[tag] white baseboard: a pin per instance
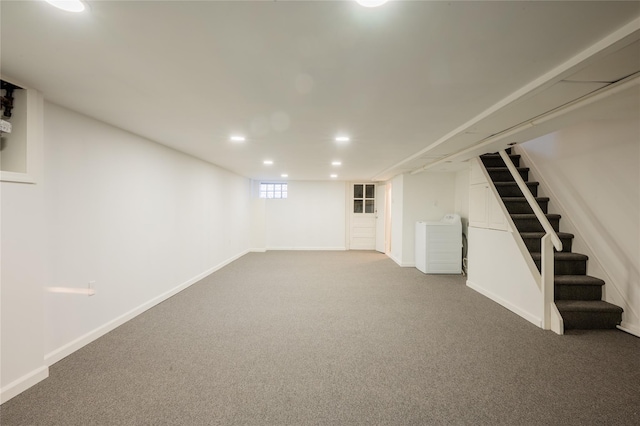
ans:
(258, 250)
(526, 315)
(66, 350)
(402, 264)
(23, 383)
(630, 328)
(307, 248)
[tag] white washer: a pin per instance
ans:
(439, 245)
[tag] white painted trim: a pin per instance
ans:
(630, 328)
(548, 190)
(16, 177)
(66, 350)
(401, 264)
(526, 315)
(557, 323)
(258, 250)
(307, 248)
(23, 383)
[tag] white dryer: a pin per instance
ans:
(439, 245)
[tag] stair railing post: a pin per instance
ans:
(547, 284)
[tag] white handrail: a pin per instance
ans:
(542, 218)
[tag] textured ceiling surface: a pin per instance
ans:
(292, 75)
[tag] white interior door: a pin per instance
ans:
(381, 203)
(363, 217)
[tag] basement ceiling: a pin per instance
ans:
(412, 83)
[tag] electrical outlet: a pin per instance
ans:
(5, 126)
(92, 289)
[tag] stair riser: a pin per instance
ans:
(590, 320)
(514, 191)
(578, 292)
(498, 162)
(505, 176)
(515, 207)
(534, 245)
(533, 225)
(567, 267)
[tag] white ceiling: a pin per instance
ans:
(408, 81)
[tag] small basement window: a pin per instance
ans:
(273, 190)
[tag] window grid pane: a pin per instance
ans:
(273, 190)
(369, 206)
(370, 191)
(358, 191)
(364, 198)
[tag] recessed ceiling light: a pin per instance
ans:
(284, 175)
(342, 139)
(371, 3)
(336, 163)
(237, 138)
(68, 5)
(267, 162)
(334, 176)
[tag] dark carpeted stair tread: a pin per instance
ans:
(532, 183)
(564, 263)
(560, 255)
(510, 188)
(581, 280)
(587, 306)
(589, 314)
(523, 199)
(502, 169)
(528, 222)
(502, 174)
(505, 168)
(533, 240)
(495, 160)
(499, 156)
(577, 287)
(542, 234)
(533, 216)
(517, 205)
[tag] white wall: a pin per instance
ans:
(311, 218)
(22, 272)
(591, 171)
(397, 224)
(423, 196)
(498, 270)
(258, 225)
(141, 220)
(428, 196)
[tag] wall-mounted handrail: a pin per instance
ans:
(542, 218)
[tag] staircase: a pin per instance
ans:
(578, 296)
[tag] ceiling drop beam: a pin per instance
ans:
(598, 95)
(620, 38)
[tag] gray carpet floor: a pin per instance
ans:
(336, 338)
